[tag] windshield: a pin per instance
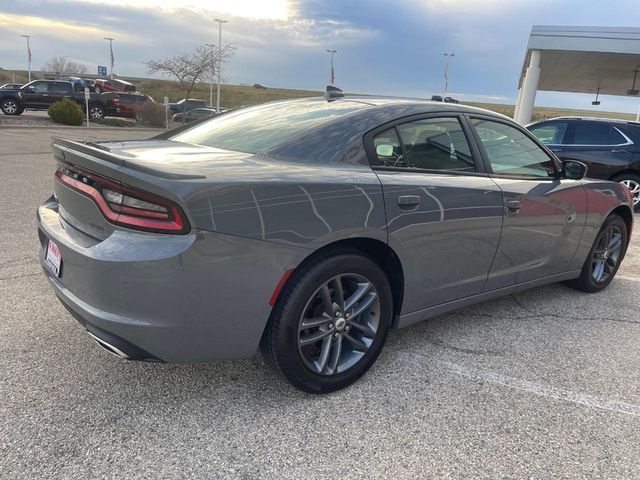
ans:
(256, 129)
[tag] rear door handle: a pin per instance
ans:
(514, 206)
(408, 200)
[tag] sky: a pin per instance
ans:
(383, 47)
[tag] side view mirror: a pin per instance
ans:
(384, 150)
(573, 170)
(30, 89)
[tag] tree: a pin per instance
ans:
(64, 66)
(189, 68)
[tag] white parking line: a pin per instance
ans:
(542, 389)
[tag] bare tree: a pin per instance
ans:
(189, 68)
(64, 66)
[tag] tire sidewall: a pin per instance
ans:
(290, 312)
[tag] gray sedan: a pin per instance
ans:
(310, 228)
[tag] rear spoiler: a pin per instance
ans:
(63, 148)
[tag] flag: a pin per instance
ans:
(112, 58)
(333, 76)
(29, 50)
(446, 80)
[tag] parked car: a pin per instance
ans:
(195, 114)
(610, 148)
(41, 94)
(79, 84)
(115, 85)
(10, 86)
(450, 100)
(187, 104)
(310, 228)
(436, 98)
(120, 104)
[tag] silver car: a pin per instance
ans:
(310, 228)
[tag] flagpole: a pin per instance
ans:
(28, 53)
(446, 73)
(332, 73)
(111, 53)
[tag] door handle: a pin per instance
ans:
(618, 150)
(514, 206)
(408, 200)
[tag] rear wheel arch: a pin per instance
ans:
(378, 251)
(626, 214)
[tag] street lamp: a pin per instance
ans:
(449, 56)
(111, 53)
(28, 53)
(213, 68)
(332, 73)
(220, 22)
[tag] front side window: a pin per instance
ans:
(511, 152)
(40, 87)
(429, 144)
(550, 133)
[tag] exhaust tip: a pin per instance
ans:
(108, 347)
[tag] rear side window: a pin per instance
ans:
(58, 87)
(429, 144)
(550, 133)
(259, 128)
(511, 152)
(589, 133)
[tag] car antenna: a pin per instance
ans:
(332, 93)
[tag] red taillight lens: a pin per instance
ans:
(123, 205)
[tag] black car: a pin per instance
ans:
(195, 114)
(611, 148)
(187, 104)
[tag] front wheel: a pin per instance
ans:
(11, 107)
(632, 182)
(605, 256)
(330, 322)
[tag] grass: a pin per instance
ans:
(234, 96)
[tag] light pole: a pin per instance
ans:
(213, 76)
(332, 73)
(111, 53)
(28, 53)
(446, 72)
(220, 22)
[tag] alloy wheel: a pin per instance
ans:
(339, 324)
(9, 107)
(634, 188)
(607, 254)
(96, 113)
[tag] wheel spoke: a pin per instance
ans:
(336, 353)
(598, 269)
(355, 297)
(316, 321)
(327, 303)
(314, 337)
(366, 303)
(358, 344)
(364, 328)
(324, 354)
(615, 243)
(338, 292)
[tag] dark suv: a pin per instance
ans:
(611, 148)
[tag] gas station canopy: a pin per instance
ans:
(598, 60)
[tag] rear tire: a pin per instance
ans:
(330, 322)
(605, 256)
(10, 106)
(632, 182)
(96, 112)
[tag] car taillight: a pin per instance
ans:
(115, 101)
(123, 205)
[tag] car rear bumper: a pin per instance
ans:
(174, 298)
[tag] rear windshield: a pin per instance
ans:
(256, 129)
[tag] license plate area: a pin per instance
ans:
(53, 258)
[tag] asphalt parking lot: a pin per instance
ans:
(541, 384)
